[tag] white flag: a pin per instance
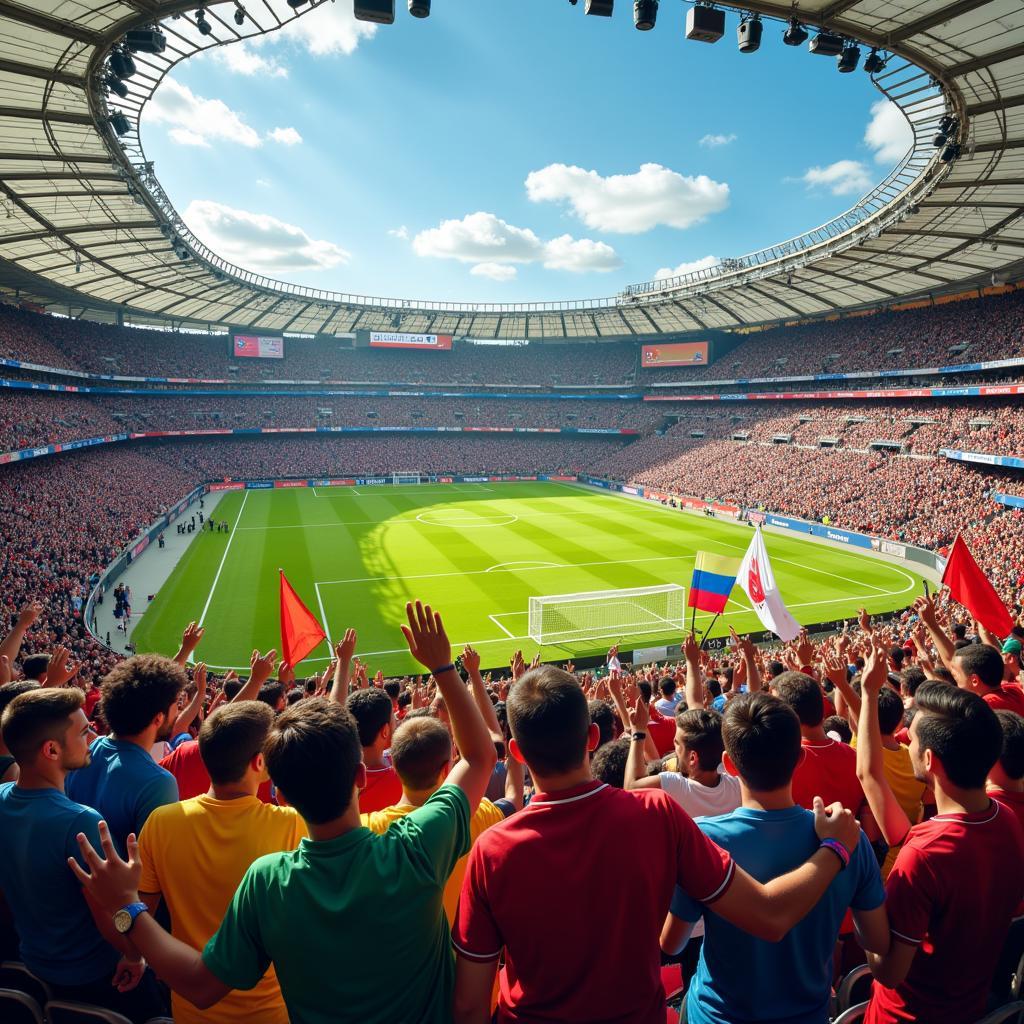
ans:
(757, 581)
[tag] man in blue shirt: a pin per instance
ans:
(139, 701)
(742, 979)
(76, 953)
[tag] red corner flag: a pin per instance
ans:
(970, 587)
(300, 632)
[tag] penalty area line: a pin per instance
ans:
(223, 559)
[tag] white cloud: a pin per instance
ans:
(328, 29)
(580, 255)
(285, 136)
(687, 268)
(714, 141)
(263, 182)
(242, 59)
(488, 241)
(401, 232)
(495, 271)
(888, 133)
(630, 203)
(843, 178)
(196, 121)
(258, 241)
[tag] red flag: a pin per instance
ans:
(300, 632)
(970, 587)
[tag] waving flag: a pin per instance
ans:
(300, 632)
(969, 586)
(714, 576)
(757, 581)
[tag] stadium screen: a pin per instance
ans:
(252, 346)
(688, 353)
(384, 339)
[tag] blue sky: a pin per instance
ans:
(508, 151)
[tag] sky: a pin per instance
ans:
(508, 151)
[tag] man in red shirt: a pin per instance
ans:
(979, 668)
(531, 880)
(1006, 776)
(956, 881)
(372, 710)
(828, 768)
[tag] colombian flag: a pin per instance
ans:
(713, 578)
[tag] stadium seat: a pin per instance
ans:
(854, 988)
(14, 974)
(60, 1011)
(1008, 1014)
(18, 1008)
(854, 1013)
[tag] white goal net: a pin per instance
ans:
(409, 477)
(600, 614)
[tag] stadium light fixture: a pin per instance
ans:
(748, 33)
(645, 14)
(239, 16)
(145, 40)
(419, 8)
(940, 140)
(874, 63)
(381, 12)
(951, 153)
(120, 123)
(296, 4)
(205, 28)
(795, 34)
(705, 24)
(121, 64)
(599, 8)
(849, 58)
(946, 123)
(826, 44)
(116, 86)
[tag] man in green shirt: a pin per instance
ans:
(352, 921)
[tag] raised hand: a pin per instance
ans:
(261, 667)
(691, 649)
(346, 647)
(191, 637)
(876, 669)
(639, 716)
(58, 672)
(804, 649)
(570, 667)
(428, 642)
(111, 882)
(5, 669)
(518, 665)
(286, 675)
(30, 612)
(471, 659)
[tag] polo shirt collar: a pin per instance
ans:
(339, 844)
(571, 795)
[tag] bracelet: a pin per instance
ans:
(839, 849)
(442, 669)
(639, 736)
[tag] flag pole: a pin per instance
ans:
(708, 631)
(693, 617)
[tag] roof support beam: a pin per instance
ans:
(81, 229)
(56, 116)
(944, 13)
(56, 26)
(1001, 104)
(987, 60)
(13, 67)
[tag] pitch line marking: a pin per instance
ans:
(460, 519)
(323, 616)
(494, 619)
(528, 565)
(223, 558)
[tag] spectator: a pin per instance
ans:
(979, 668)
(121, 780)
(1006, 777)
(375, 717)
(8, 762)
(670, 699)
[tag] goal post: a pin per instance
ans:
(408, 477)
(560, 618)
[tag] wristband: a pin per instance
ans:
(443, 668)
(839, 849)
(639, 736)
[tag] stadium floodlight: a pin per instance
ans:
(705, 24)
(874, 63)
(946, 124)
(116, 86)
(205, 28)
(382, 12)
(239, 16)
(951, 153)
(599, 8)
(120, 123)
(296, 4)
(940, 140)
(826, 44)
(795, 34)
(848, 59)
(748, 33)
(419, 8)
(560, 618)
(145, 40)
(121, 64)
(645, 14)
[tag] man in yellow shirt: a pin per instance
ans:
(421, 752)
(194, 853)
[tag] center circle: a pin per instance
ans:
(460, 519)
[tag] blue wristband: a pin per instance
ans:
(443, 668)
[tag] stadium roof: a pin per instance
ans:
(84, 224)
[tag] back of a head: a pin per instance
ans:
(667, 686)
(802, 694)
(11, 690)
(836, 724)
(775, 668)
(549, 719)
(702, 731)
(232, 688)
(313, 754)
(1012, 757)
(371, 708)
(959, 631)
(421, 750)
(138, 689)
(890, 710)
(897, 654)
(271, 694)
(603, 716)
(35, 716)
(960, 729)
(34, 667)
(910, 679)
(645, 690)
(393, 688)
(231, 737)
(609, 763)
(982, 661)
(762, 737)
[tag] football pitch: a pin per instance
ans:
(476, 552)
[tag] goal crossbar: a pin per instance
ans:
(600, 614)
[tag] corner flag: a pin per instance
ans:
(757, 581)
(300, 632)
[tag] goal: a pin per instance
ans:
(409, 477)
(559, 618)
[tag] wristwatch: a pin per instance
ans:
(639, 736)
(125, 917)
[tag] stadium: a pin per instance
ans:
(669, 513)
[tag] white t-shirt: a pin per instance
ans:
(699, 800)
(667, 705)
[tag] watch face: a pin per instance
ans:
(122, 921)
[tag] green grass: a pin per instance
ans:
(473, 551)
